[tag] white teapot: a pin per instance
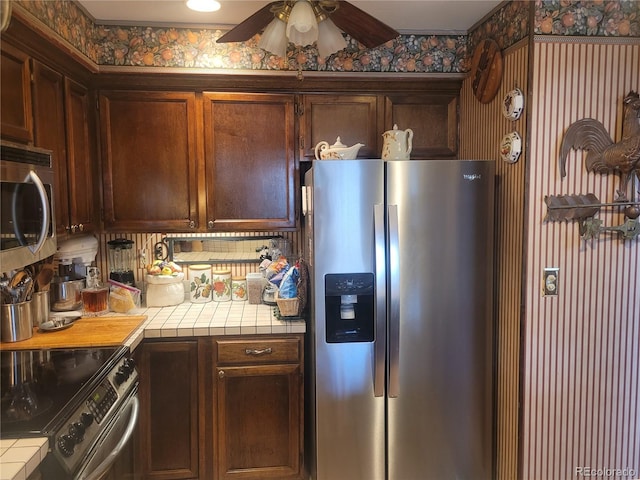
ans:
(397, 144)
(337, 151)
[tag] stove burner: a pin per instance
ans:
(39, 387)
(22, 404)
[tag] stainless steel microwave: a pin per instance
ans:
(27, 218)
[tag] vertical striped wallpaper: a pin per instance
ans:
(581, 350)
(481, 129)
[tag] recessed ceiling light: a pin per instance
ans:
(203, 5)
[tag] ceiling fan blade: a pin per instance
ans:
(249, 27)
(357, 23)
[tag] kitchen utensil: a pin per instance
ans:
(337, 151)
(21, 286)
(397, 144)
(43, 278)
(5, 291)
(41, 307)
(16, 322)
(65, 293)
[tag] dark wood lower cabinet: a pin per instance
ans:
(222, 408)
(169, 430)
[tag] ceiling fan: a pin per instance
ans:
(358, 24)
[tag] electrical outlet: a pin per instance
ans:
(142, 257)
(550, 281)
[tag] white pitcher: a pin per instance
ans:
(397, 144)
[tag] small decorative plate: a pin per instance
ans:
(511, 147)
(56, 323)
(513, 104)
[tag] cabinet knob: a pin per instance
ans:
(221, 374)
(192, 224)
(81, 227)
(210, 224)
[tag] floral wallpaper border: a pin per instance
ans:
(143, 46)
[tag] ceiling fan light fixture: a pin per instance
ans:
(302, 27)
(330, 39)
(203, 5)
(274, 39)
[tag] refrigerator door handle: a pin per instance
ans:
(380, 342)
(394, 302)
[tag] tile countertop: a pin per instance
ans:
(19, 458)
(213, 318)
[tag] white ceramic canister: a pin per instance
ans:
(200, 285)
(238, 289)
(221, 284)
(164, 290)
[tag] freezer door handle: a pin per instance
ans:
(394, 302)
(380, 306)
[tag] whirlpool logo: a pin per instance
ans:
(472, 176)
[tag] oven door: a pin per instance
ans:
(112, 456)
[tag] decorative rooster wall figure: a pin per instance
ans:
(605, 156)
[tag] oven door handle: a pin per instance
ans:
(111, 458)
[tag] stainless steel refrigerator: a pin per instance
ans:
(400, 338)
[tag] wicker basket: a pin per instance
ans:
(288, 306)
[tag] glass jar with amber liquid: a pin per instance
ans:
(95, 298)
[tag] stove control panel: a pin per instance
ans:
(101, 404)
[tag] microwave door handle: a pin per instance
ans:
(104, 467)
(33, 176)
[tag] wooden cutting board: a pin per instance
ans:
(85, 332)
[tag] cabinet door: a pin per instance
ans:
(433, 119)
(49, 133)
(16, 122)
(149, 161)
(169, 439)
(249, 161)
(353, 118)
(258, 433)
(81, 163)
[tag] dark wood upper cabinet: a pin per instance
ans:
(249, 142)
(50, 133)
(433, 119)
(82, 165)
(16, 121)
(353, 118)
(63, 123)
(149, 160)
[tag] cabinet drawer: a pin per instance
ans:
(268, 350)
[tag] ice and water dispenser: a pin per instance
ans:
(349, 307)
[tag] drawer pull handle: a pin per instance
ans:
(258, 352)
